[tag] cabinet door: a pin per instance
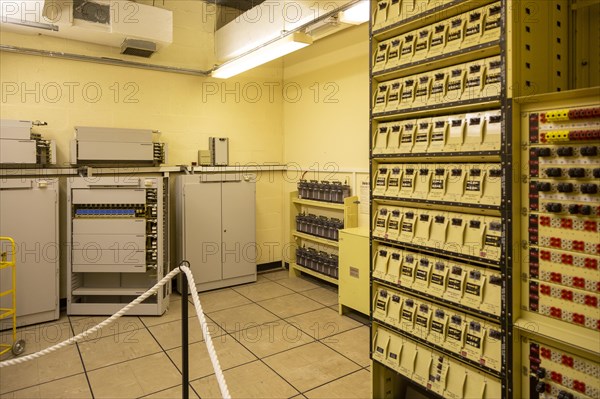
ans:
(30, 217)
(202, 219)
(239, 229)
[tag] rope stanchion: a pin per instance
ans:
(201, 319)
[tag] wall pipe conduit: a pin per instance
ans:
(102, 60)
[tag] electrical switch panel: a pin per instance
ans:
(563, 214)
(459, 133)
(472, 338)
(473, 184)
(19, 145)
(475, 237)
(471, 287)
(465, 82)
(432, 369)
(555, 373)
(475, 28)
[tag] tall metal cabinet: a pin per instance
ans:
(29, 214)
(117, 230)
(449, 234)
(216, 228)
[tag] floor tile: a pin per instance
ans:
(277, 275)
(260, 292)
(172, 393)
(62, 363)
(323, 323)
(325, 296)
(252, 380)
(72, 387)
(214, 301)
(121, 325)
(114, 349)
(135, 378)
(272, 338)
(172, 313)
(242, 317)
(298, 284)
(310, 366)
(353, 344)
(356, 385)
(229, 352)
(168, 335)
(290, 305)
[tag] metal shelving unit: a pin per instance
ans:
(347, 212)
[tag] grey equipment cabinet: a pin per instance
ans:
(117, 243)
(29, 215)
(216, 228)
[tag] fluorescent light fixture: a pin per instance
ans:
(357, 14)
(261, 55)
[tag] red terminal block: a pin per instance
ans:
(578, 282)
(555, 277)
(578, 245)
(591, 301)
(545, 221)
(590, 263)
(545, 289)
(555, 242)
(579, 386)
(578, 318)
(566, 223)
(542, 137)
(598, 325)
(556, 312)
(598, 286)
(546, 353)
(566, 259)
(566, 295)
(590, 225)
(567, 361)
(545, 255)
(556, 377)
(543, 117)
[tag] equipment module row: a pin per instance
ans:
(474, 288)
(463, 32)
(469, 337)
(471, 132)
(472, 184)
(389, 12)
(319, 261)
(469, 236)
(432, 369)
(323, 191)
(320, 226)
(480, 79)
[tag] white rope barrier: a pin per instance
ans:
(201, 319)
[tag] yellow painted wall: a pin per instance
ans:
(186, 109)
(326, 113)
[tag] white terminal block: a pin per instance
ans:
(394, 138)
(381, 56)
(381, 138)
(394, 93)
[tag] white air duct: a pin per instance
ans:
(112, 23)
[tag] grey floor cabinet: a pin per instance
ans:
(216, 228)
(29, 215)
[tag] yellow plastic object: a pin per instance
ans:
(8, 261)
(353, 282)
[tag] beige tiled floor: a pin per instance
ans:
(276, 338)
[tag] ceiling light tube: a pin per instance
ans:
(356, 14)
(278, 48)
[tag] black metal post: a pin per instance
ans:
(185, 373)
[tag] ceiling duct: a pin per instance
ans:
(135, 28)
(140, 48)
